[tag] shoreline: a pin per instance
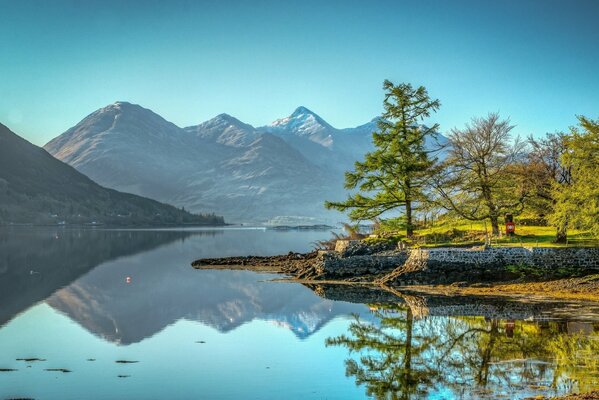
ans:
(556, 274)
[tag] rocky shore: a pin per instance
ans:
(564, 272)
(298, 265)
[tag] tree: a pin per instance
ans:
(547, 175)
(396, 174)
(579, 205)
(479, 180)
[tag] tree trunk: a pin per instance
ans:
(561, 235)
(486, 191)
(409, 226)
(495, 224)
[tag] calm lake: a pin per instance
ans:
(121, 314)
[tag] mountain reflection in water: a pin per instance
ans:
(84, 274)
(136, 293)
(35, 262)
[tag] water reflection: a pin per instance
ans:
(126, 286)
(137, 294)
(107, 306)
(34, 263)
(396, 355)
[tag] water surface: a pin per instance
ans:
(81, 300)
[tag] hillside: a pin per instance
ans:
(37, 188)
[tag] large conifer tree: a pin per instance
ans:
(394, 175)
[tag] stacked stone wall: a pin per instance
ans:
(443, 265)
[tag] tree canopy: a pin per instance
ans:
(579, 205)
(479, 179)
(396, 174)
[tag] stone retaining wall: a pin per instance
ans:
(540, 257)
(446, 265)
(336, 266)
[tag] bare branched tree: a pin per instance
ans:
(479, 179)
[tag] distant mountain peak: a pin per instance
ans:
(226, 130)
(226, 116)
(228, 119)
(302, 120)
(223, 121)
(301, 110)
(120, 106)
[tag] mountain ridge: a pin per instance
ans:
(224, 165)
(35, 187)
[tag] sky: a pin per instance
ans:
(536, 62)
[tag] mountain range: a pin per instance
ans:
(37, 188)
(280, 173)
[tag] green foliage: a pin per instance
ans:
(544, 173)
(527, 271)
(397, 172)
(579, 205)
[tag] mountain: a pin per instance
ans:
(282, 171)
(221, 165)
(326, 146)
(304, 123)
(226, 130)
(37, 188)
(131, 149)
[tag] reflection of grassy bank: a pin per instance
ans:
(584, 288)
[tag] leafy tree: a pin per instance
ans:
(579, 205)
(397, 173)
(546, 175)
(480, 181)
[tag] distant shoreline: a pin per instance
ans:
(109, 226)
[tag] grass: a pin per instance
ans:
(465, 233)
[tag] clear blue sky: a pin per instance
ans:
(535, 61)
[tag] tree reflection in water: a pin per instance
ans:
(403, 354)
